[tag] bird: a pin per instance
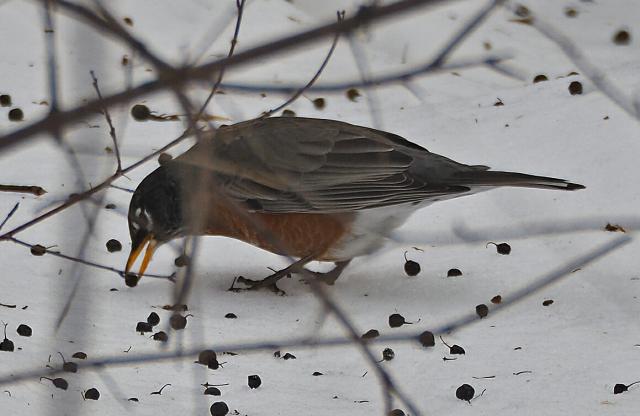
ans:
(311, 189)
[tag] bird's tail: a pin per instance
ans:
(497, 178)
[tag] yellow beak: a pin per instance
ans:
(135, 252)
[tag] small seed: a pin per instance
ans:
(143, 327)
(140, 112)
(5, 100)
(482, 310)
(465, 392)
(38, 250)
(219, 409)
(622, 37)
(16, 114)
(212, 391)
(24, 330)
(454, 273)
(427, 339)
(254, 381)
(396, 320)
(92, 394)
(113, 245)
(575, 88)
(153, 319)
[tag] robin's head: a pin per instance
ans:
(155, 214)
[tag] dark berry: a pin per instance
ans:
(153, 319)
(496, 299)
(456, 349)
(140, 112)
(205, 356)
(547, 302)
(570, 12)
(396, 412)
(396, 320)
(319, 103)
(288, 113)
(231, 316)
(92, 394)
(575, 88)
(540, 78)
(619, 388)
(164, 158)
(353, 94)
(411, 268)
(58, 382)
(219, 409)
(288, 356)
(622, 37)
(502, 248)
(454, 273)
(178, 321)
(113, 245)
(110, 206)
(482, 310)
(254, 381)
(427, 339)
(465, 392)
(317, 373)
(131, 279)
(5, 100)
(143, 327)
(370, 334)
(80, 355)
(181, 261)
(7, 345)
(16, 114)
(160, 336)
(388, 354)
(24, 330)
(212, 391)
(38, 250)
(70, 367)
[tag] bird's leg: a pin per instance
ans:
(270, 281)
(331, 276)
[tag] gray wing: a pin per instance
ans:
(288, 164)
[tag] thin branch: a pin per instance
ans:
(390, 78)
(305, 342)
(83, 261)
(24, 189)
(182, 76)
(112, 130)
(84, 195)
(232, 48)
(305, 87)
(10, 214)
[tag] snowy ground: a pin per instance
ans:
(567, 356)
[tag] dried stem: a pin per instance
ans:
(112, 130)
(308, 85)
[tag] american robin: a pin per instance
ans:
(309, 188)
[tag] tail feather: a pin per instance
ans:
(498, 178)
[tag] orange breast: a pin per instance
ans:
(293, 234)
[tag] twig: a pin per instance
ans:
(83, 261)
(301, 342)
(84, 195)
(112, 130)
(364, 71)
(182, 76)
(305, 87)
(25, 189)
(234, 40)
(10, 214)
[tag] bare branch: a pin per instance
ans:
(23, 189)
(182, 76)
(305, 87)
(112, 130)
(10, 214)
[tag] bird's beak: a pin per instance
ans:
(136, 249)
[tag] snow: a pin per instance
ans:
(574, 350)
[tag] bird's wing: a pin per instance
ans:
(282, 165)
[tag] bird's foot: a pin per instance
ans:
(328, 278)
(269, 282)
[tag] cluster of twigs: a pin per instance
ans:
(176, 79)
